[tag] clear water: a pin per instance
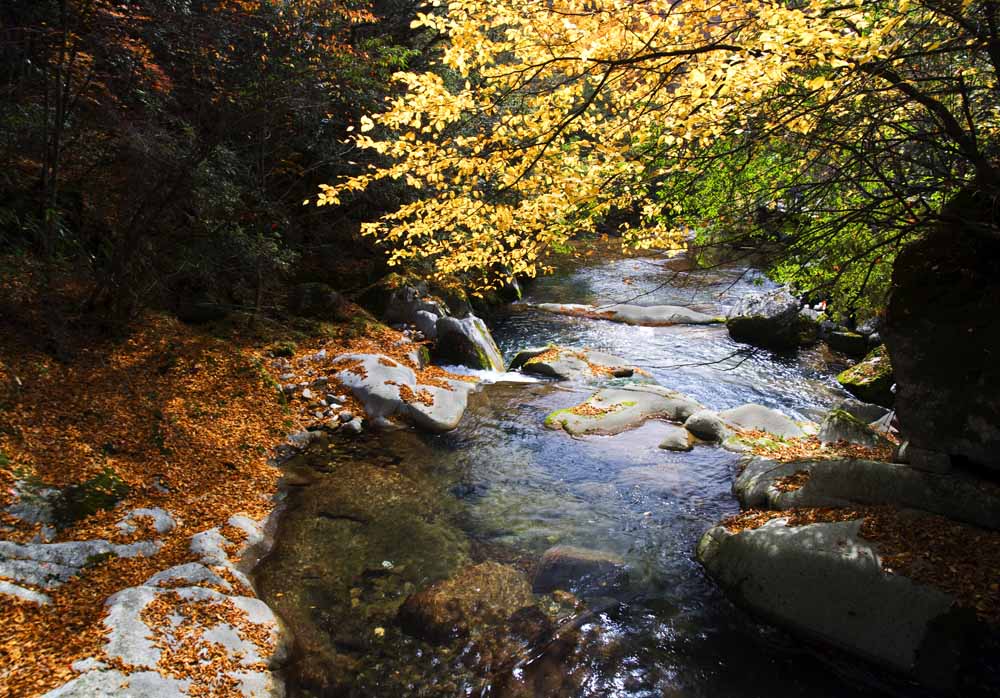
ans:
(522, 487)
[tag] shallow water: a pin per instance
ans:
(513, 488)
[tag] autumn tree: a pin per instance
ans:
(836, 128)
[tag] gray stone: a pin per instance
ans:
(426, 322)
(840, 426)
(707, 426)
(578, 570)
(24, 594)
(852, 482)
(760, 418)
(826, 582)
(616, 409)
(356, 426)
(651, 316)
(677, 439)
(345, 416)
(47, 575)
(865, 411)
(192, 573)
(115, 684)
(467, 342)
(567, 363)
(377, 386)
(770, 320)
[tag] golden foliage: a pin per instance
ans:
(543, 117)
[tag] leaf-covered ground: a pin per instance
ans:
(185, 417)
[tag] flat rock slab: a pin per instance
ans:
(760, 418)
(388, 389)
(613, 410)
(646, 315)
(826, 582)
(568, 363)
(851, 482)
(242, 629)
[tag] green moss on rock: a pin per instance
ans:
(871, 379)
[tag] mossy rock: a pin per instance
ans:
(870, 379)
(850, 343)
(77, 502)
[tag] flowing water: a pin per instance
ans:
(370, 523)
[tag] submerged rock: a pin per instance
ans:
(387, 389)
(760, 418)
(467, 342)
(871, 379)
(647, 315)
(578, 570)
(772, 321)
(826, 582)
(474, 598)
(766, 484)
(616, 409)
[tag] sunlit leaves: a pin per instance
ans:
(542, 118)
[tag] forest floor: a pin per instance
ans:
(171, 416)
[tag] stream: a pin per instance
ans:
(369, 522)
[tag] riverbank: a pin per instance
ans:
(122, 458)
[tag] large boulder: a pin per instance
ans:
(579, 570)
(766, 484)
(772, 321)
(567, 363)
(752, 417)
(942, 331)
(826, 582)
(612, 410)
(646, 315)
(476, 597)
(467, 342)
(871, 379)
(388, 389)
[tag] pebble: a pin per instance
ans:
(307, 394)
(354, 426)
(346, 417)
(287, 376)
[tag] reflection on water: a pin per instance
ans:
(513, 488)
